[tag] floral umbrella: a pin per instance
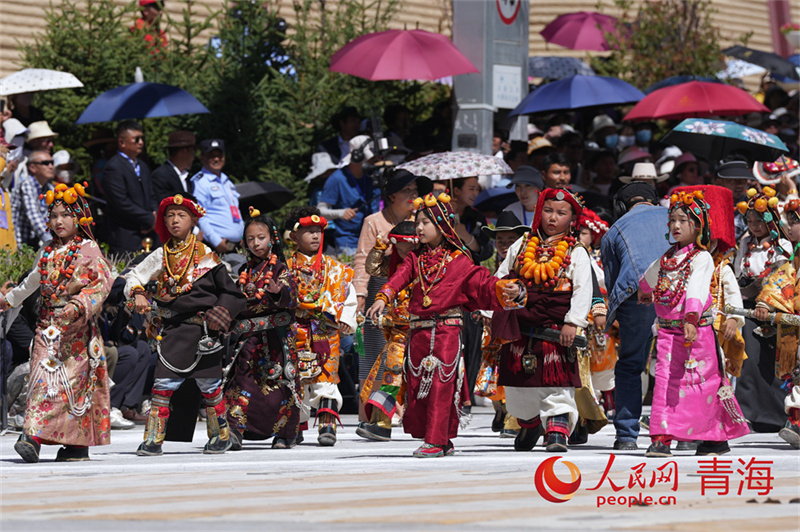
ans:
(716, 139)
(455, 164)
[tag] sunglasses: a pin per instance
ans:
(43, 163)
(138, 139)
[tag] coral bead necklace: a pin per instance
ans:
(61, 276)
(252, 282)
(542, 263)
(665, 292)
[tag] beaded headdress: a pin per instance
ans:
(765, 205)
(591, 221)
(440, 212)
(720, 213)
(181, 201)
(560, 194)
(73, 198)
(792, 210)
(693, 204)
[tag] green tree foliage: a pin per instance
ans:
(662, 38)
(268, 87)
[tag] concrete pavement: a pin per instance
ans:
(368, 485)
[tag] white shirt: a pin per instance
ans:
(183, 175)
(699, 281)
(758, 257)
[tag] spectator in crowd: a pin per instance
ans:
(349, 195)
(397, 121)
(40, 137)
(65, 167)
(29, 211)
(8, 239)
(627, 250)
(556, 171)
(222, 225)
(346, 122)
(131, 210)
(538, 149)
(527, 183)
(604, 132)
(735, 175)
(22, 110)
(517, 154)
(149, 23)
(570, 144)
(686, 172)
(172, 177)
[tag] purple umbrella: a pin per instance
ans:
(584, 30)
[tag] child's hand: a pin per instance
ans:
(3, 303)
(345, 329)
(376, 309)
(140, 304)
(689, 332)
(273, 286)
(761, 314)
(568, 332)
(645, 298)
(600, 323)
(511, 291)
(731, 326)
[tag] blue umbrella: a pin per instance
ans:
(141, 100)
(715, 139)
(556, 67)
(678, 80)
(576, 92)
(495, 199)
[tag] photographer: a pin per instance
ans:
(350, 195)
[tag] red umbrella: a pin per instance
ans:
(584, 30)
(401, 54)
(696, 99)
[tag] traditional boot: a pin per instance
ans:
(580, 434)
(790, 433)
(379, 427)
(219, 439)
(327, 415)
(499, 416)
(529, 433)
(557, 434)
(609, 405)
(156, 426)
(28, 448)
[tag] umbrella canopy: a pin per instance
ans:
(678, 80)
(576, 92)
(716, 139)
(454, 164)
(401, 54)
(772, 62)
(495, 199)
(555, 67)
(141, 100)
(37, 79)
(795, 60)
(695, 99)
(584, 30)
(265, 196)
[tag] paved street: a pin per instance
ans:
(365, 485)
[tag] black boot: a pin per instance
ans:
(156, 426)
(70, 453)
(580, 435)
(236, 439)
(556, 442)
(499, 416)
(328, 415)
(526, 438)
(712, 448)
(790, 433)
(28, 448)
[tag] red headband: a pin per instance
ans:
(559, 194)
(180, 201)
(311, 221)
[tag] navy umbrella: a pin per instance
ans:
(577, 92)
(141, 100)
(772, 62)
(495, 199)
(265, 196)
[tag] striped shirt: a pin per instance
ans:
(29, 213)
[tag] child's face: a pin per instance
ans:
(427, 231)
(585, 237)
(308, 239)
(179, 221)
(682, 228)
(755, 225)
(557, 216)
(527, 194)
(258, 239)
(794, 229)
(503, 241)
(403, 248)
(62, 223)
(466, 195)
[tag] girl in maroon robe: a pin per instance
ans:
(443, 280)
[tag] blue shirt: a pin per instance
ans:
(343, 191)
(217, 195)
(632, 244)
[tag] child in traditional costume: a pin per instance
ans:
(194, 293)
(381, 405)
(781, 293)
(68, 398)
(262, 393)
(764, 249)
(443, 280)
(326, 309)
(507, 230)
(538, 363)
(692, 399)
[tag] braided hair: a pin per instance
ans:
(277, 243)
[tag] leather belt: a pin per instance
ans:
(452, 318)
(263, 323)
(167, 314)
(705, 321)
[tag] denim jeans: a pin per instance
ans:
(635, 322)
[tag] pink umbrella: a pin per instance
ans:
(401, 54)
(696, 99)
(584, 30)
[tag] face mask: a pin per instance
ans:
(611, 141)
(643, 136)
(625, 141)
